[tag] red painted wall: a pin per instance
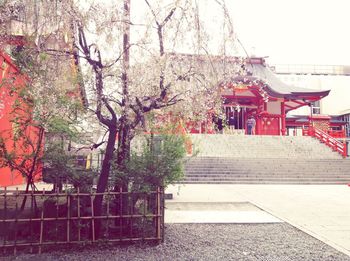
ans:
(10, 78)
(270, 125)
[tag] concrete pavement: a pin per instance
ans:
(322, 211)
(216, 212)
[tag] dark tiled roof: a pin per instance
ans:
(274, 86)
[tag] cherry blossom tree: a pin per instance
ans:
(160, 61)
(138, 57)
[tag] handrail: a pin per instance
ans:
(327, 139)
(337, 133)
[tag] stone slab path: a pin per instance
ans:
(322, 211)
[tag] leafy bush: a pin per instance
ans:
(159, 163)
(60, 168)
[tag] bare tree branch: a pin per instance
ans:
(152, 11)
(168, 17)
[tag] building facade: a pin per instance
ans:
(336, 105)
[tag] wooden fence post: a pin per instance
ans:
(16, 223)
(158, 215)
(108, 199)
(5, 215)
(78, 209)
(41, 224)
(92, 216)
(68, 217)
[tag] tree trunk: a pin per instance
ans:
(34, 165)
(103, 179)
(124, 141)
(24, 201)
(123, 156)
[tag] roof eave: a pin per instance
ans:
(321, 94)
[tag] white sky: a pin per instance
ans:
(294, 31)
(287, 31)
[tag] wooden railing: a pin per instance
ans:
(327, 139)
(55, 219)
(337, 133)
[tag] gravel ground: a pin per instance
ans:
(266, 242)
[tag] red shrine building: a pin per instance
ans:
(261, 94)
(258, 93)
(10, 78)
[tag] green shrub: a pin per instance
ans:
(159, 163)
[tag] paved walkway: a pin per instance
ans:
(322, 211)
(217, 212)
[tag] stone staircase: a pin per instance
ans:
(245, 146)
(229, 159)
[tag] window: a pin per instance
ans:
(316, 109)
(346, 118)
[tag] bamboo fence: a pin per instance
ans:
(54, 218)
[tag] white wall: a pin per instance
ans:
(338, 99)
(274, 107)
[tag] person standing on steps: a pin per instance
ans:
(220, 125)
(251, 125)
(231, 121)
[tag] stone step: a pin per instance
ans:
(264, 174)
(298, 182)
(265, 160)
(267, 176)
(254, 165)
(245, 159)
(234, 171)
(261, 163)
(252, 172)
(283, 176)
(345, 180)
(266, 167)
(274, 173)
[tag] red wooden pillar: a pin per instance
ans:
(257, 125)
(283, 119)
(245, 123)
(258, 119)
